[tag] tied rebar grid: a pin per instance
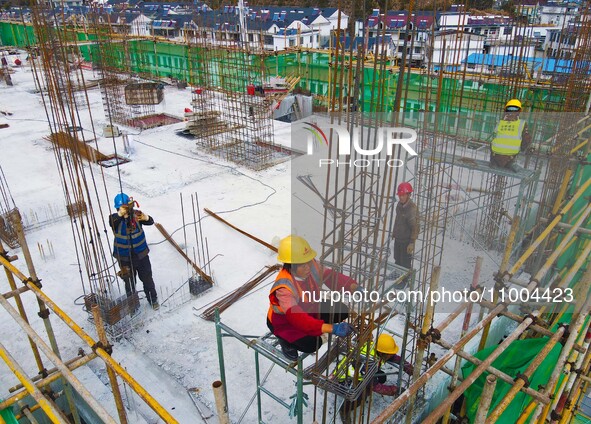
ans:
(228, 119)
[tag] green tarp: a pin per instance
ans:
(8, 416)
(516, 358)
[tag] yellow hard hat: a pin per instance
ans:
(295, 250)
(513, 102)
(386, 344)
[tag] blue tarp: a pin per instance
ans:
(550, 65)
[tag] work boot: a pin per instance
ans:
(288, 350)
(155, 306)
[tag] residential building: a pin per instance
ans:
(558, 13)
(408, 35)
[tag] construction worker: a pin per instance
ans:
(511, 136)
(406, 226)
(297, 315)
(130, 247)
(385, 350)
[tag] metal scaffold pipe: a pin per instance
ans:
(575, 330)
(496, 372)
(20, 307)
(423, 379)
(531, 249)
(560, 248)
(502, 270)
(576, 378)
(67, 374)
(523, 378)
(465, 326)
(17, 222)
(485, 399)
(150, 401)
(578, 385)
(54, 414)
(423, 343)
(98, 322)
(468, 381)
(581, 260)
(42, 382)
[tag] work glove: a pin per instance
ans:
(342, 329)
(142, 216)
(123, 211)
(410, 249)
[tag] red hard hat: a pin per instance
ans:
(404, 188)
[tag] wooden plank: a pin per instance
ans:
(183, 254)
(258, 240)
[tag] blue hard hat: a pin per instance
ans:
(121, 199)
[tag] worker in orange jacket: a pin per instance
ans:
(295, 315)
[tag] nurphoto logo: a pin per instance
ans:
(385, 140)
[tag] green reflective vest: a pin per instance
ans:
(345, 370)
(508, 137)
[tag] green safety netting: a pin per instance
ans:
(8, 416)
(379, 86)
(516, 358)
(581, 418)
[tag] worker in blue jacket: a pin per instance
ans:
(130, 247)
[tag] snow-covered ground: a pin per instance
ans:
(172, 349)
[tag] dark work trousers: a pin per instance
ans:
(400, 256)
(141, 268)
(502, 161)
(309, 344)
(349, 406)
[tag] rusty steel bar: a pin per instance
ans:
(168, 237)
(477, 372)
(485, 399)
(502, 270)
